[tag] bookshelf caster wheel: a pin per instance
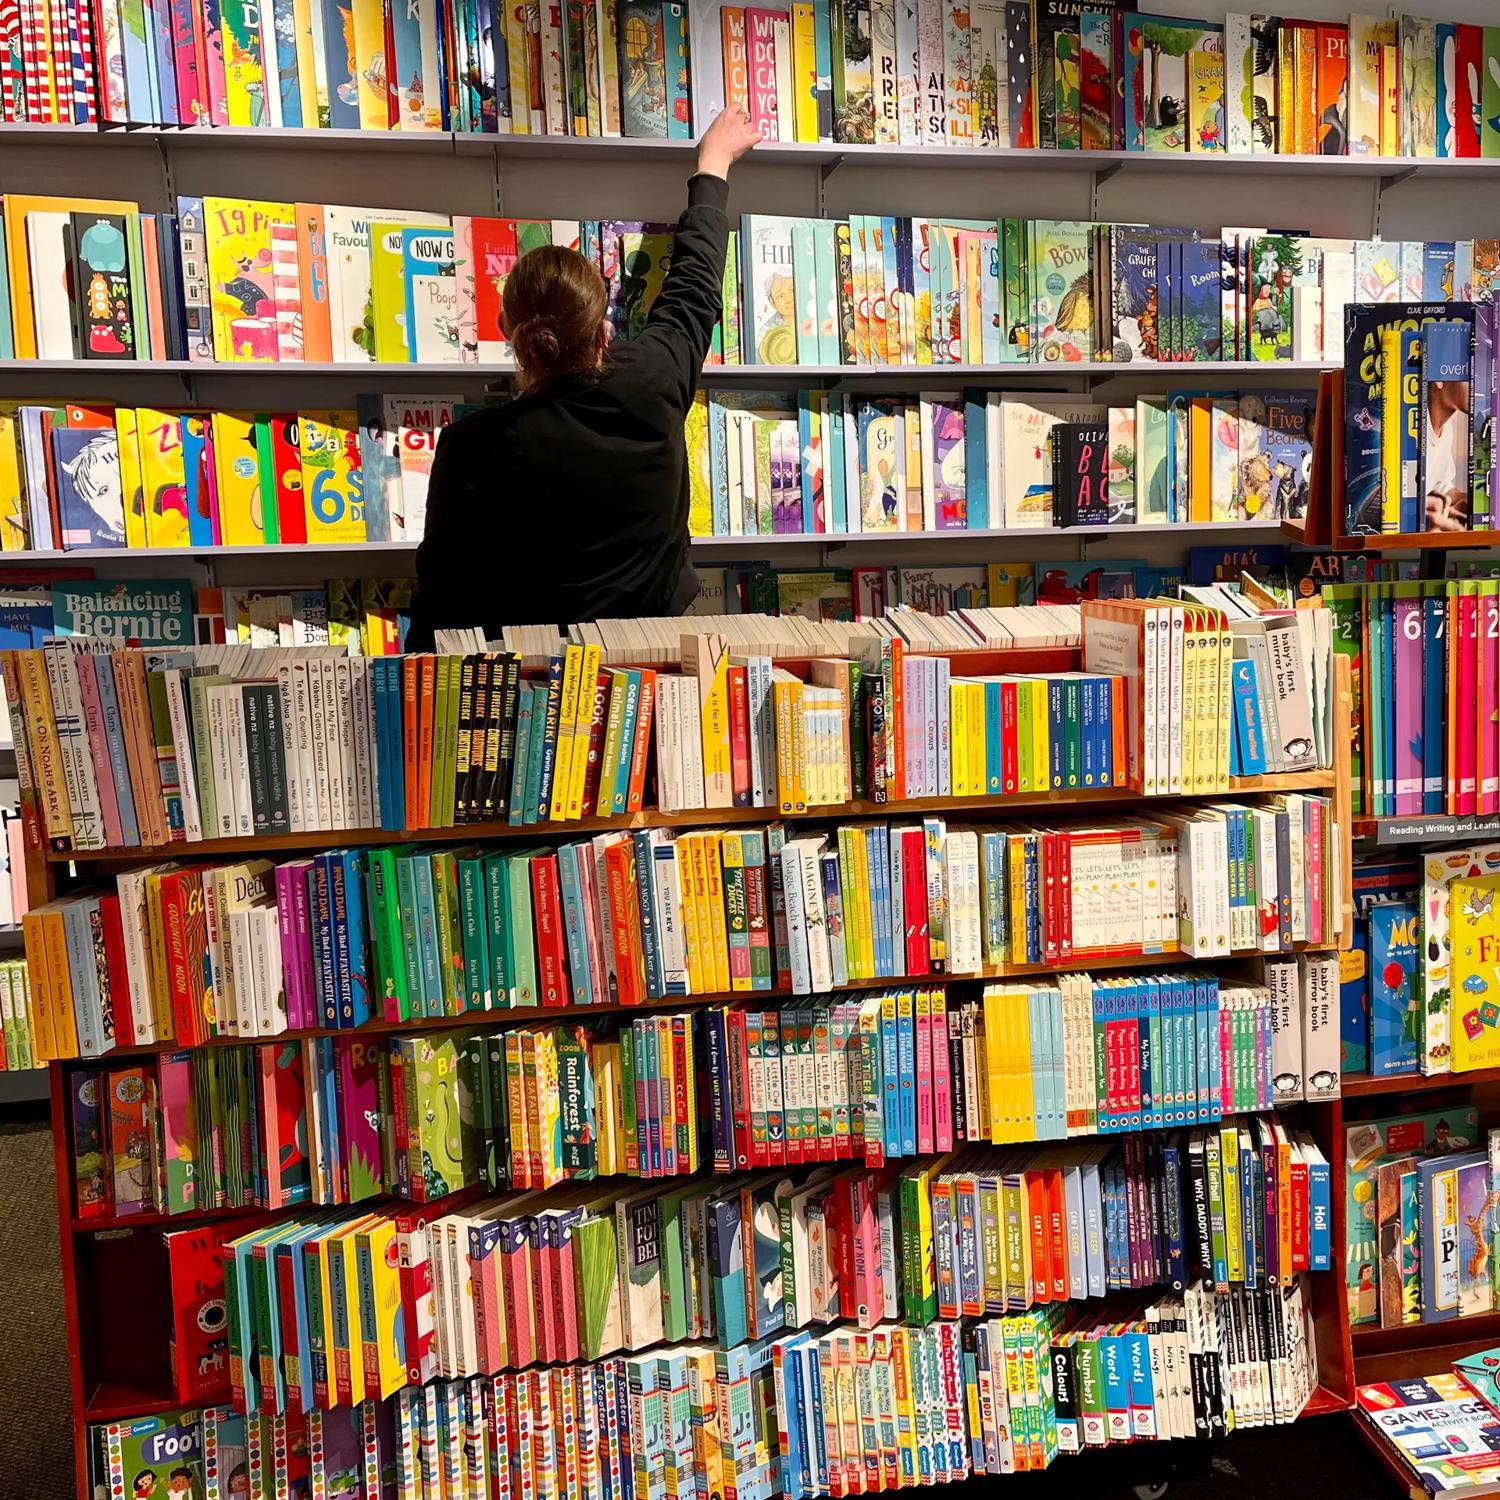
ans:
(1149, 1491)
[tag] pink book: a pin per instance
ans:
(943, 1123)
(760, 39)
(15, 842)
(1487, 793)
(295, 1015)
(359, 1095)
(1468, 692)
(484, 1240)
(1408, 687)
(1316, 825)
(213, 77)
(516, 1273)
(569, 1347)
(924, 1073)
(302, 923)
(1226, 1061)
(185, 62)
(179, 1129)
(93, 725)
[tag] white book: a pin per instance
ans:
(60, 658)
(51, 304)
(932, 89)
(239, 762)
(319, 710)
(690, 744)
(284, 692)
(187, 771)
(300, 728)
(216, 919)
(885, 70)
(1239, 91)
(908, 75)
(348, 765)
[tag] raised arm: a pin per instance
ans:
(682, 318)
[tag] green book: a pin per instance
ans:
(443, 1121)
(575, 1088)
(454, 998)
(673, 1291)
(424, 935)
(1229, 1165)
(406, 910)
(523, 940)
(537, 753)
(473, 925)
(441, 812)
(386, 928)
(627, 1097)
(499, 1084)
(598, 1263)
(265, 454)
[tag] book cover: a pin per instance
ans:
(101, 287)
(90, 498)
(134, 612)
(431, 284)
(1447, 1436)
(332, 481)
(1474, 940)
(242, 301)
(1394, 943)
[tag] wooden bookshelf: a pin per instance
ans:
(1362, 1085)
(285, 843)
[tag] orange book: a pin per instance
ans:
(624, 909)
(736, 58)
(642, 745)
(135, 718)
(64, 1027)
(44, 1040)
(427, 699)
(1200, 458)
(411, 711)
(312, 273)
(1119, 708)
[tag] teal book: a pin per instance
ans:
(518, 801)
(474, 926)
(499, 944)
(424, 936)
(519, 924)
(536, 759)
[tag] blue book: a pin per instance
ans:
(1252, 1193)
(160, 66)
(1394, 948)
(541, 694)
(579, 972)
(1173, 1229)
(833, 466)
(114, 738)
(890, 1070)
(679, 90)
(1138, 1373)
(1319, 1208)
(976, 460)
(354, 948)
(425, 937)
(833, 917)
(1208, 1043)
(906, 1052)
(321, 925)
(1248, 747)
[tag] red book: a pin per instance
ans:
(1056, 1220)
(914, 901)
(551, 950)
(195, 1275)
(1469, 47)
(644, 706)
(286, 463)
(895, 723)
(596, 746)
(1064, 896)
(118, 999)
(739, 736)
(1041, 1242)
(1010, 763)
(495, 251)
(1299, 1215)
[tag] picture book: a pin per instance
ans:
(332, 482)
(1447, 1437)
(1474, 941)
(101, 287)
(144, 1452)
(133, 612)
(90, 500)
(241, 296)
(431, 295)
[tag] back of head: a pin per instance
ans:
(552, 311)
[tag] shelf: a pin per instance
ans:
(108, 1222)
(1322, 1403)
(23, 1086)
(911, 376)
(1427, 828)
(1371, 1339)
(1362, 1085)
(1390, 170)
(1417, 541)
(529, 1015)
(1301, 781)
(114, 1403)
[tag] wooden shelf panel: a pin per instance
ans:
(1362, 1085)
(1416, 541)
(1309, 781)
(1371, 1339)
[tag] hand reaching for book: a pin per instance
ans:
(727, 139)
(1447, 512)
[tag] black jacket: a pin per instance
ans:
(571, 504)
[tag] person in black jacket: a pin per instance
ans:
(571, 502)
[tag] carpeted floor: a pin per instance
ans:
(36, 1443)
(1321, 1457)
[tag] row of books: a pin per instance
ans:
(872, 1079)
(888, 290)
(92, 477)
(16, 1039)
(821, 463)
(841, 1412)
(1242, 1206)
(239, 280)
(357, 65)
(1424, 680)
(518, 1281)
(320, 943)
(1105, 77)
(1419, 401)
(135, 748)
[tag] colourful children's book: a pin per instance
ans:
(1474, 940)
(332, 482)
(241, 299)
(431, 295)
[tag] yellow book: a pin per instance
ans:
(64, 1026)
(369, 64)
(237, 469)
(1393, 390)
(1025, 1077)
(1041, 734)
(332, 479)
(388, 293)
(977, 762)
(163, 480)
(958, 741)
(43, 1041)
(242, 301)
(1190, 643)
(804, 74)
(692, 940)
(1390, 99)
(1016, 858)
(307, 69)
(13, 208)
(548, 1105)
(567, 730)
(1210, 713)
(13, 534)
(705, 658)
(1474, 939)
(862, 900)
(607, 1106)
(132, 487)
(666, 1071)
(346, 1244)
(1229, 1148)
(786, 702)
(713, 895)
(583, 729)
(732, 861)
(377, 1247)
(700, 486)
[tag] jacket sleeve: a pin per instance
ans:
(681, 325)
(450, 590)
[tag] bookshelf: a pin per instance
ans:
(118, 1362)
(545, 176)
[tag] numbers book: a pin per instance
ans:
(1474, 940)
(332, 483)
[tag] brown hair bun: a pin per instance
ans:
(553, 306)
